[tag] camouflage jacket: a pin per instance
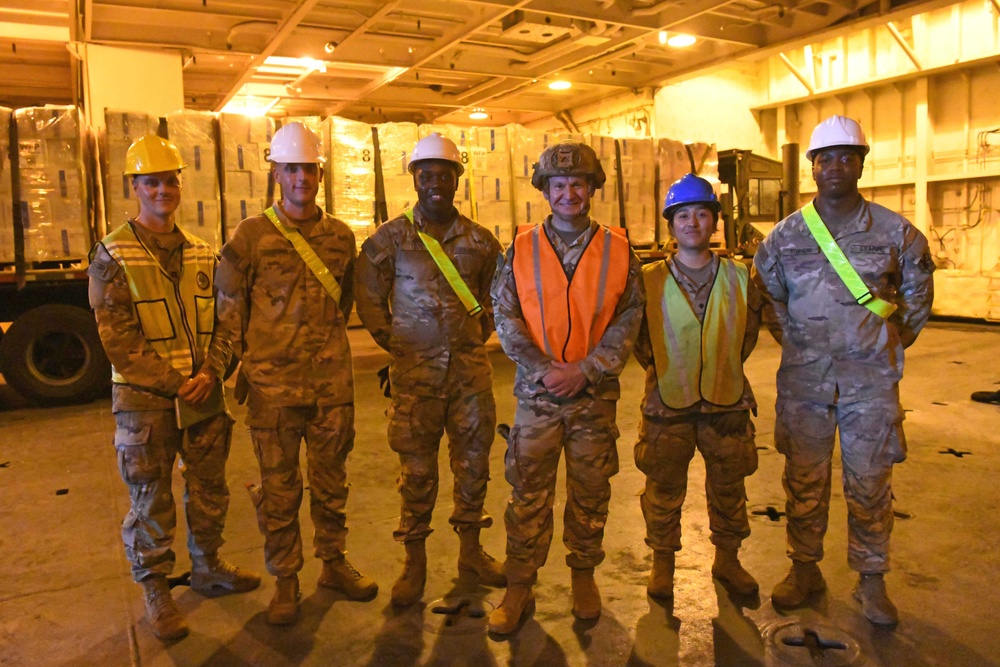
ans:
(832, 348)
(652, 404)
(605, 362)
(284, 326)
(413, 313)
(152, 381)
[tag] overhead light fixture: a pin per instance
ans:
(560, 85)
(478, 114)
(663, 37)
(679, 41)
(329, 47)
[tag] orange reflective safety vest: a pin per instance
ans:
(566, 318)
(697, 360)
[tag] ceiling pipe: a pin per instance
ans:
(652, 9)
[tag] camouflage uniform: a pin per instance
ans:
(668, 438)
(296, 359)
(840, 369)
(545, 424)
(439, 371)
(147, 438)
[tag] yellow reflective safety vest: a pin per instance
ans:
(176, 320)
(695, 360)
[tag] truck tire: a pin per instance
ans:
(52, 355)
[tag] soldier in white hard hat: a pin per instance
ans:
(423, 293)
(285, 284)
(568, 302)
(847, 286)
(151, 291)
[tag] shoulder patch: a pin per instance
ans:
(373, 250)
(103, 270)
(232, 255)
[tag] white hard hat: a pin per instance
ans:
(296, 143)
(436, 147)
(837, 131)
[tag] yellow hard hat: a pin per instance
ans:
(150, 154)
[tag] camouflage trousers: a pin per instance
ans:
(277, 433)
(585, 428)
(416, 426)
(871, 441)
(664, 452)
(148, 444)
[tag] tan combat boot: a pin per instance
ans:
(472, 558)
(728, 570)
(661, 579)
(875, 602)
(161, 610)
(409, 588)
(284, 606)
(803, 580)
(341, 576)
(586, 597)
(211, 576)
(518, 603)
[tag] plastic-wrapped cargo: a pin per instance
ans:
(638, 166)
(121, 128)
(245, 169)
(6, 193)
(350, 174)
(396, 142)
(200, 213)
(53, 185)
(490, 166)
(321, 128)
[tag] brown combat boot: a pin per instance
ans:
(161, 610)
(803, 580)
(211, 576)
(875, 602)
(472, 558)
(518, 603)
(284, 606)
(409, 588)
(341, 576)
(728, 570)
(661, 579)
(586, 597)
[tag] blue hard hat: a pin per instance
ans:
(690, 189)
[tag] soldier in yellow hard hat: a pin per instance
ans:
(151, 288)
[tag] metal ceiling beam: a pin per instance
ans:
(285, 28)
(367, 23)
(447, 41)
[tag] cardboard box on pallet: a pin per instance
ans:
(200, 212)
(350, 173)
(53, 186)
(245, 145)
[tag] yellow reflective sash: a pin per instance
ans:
(308, 255)
(857, 287)
(448, 269)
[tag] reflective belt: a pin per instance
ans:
(448, 269)
(308, 255)
(857, 287)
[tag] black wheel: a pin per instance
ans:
(52, 355)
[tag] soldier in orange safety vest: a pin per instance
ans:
(568, 302)
(702, 318)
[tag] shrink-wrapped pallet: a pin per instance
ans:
(53, 186)
(245, 144)
(6, 193)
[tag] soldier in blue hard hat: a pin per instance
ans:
(701, 321)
